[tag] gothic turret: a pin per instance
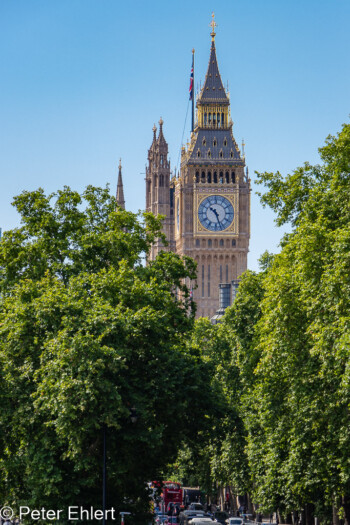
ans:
(161, 140)
(120, 190)
(158, 192)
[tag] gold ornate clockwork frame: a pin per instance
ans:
(202, 194)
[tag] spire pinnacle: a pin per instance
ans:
(213, 25)
(120, 189)
(154, 129)
(213, 90)
(161, 136)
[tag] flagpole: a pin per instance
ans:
(193, 91)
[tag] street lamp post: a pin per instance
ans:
(104, 473)
(122, 514)
(133, 419)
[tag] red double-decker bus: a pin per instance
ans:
(172, 493)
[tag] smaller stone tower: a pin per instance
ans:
(120, 189)
(159, 196)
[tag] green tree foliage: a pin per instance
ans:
(89, 332)
(215, 456)
(279, 361)
(299, 453)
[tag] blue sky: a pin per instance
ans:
(83, 82)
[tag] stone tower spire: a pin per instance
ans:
(161, 140)
(120, 190)
(212, 196)
(213, 89)
(158, 192)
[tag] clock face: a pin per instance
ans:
(215, 213)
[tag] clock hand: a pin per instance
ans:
(215, 213)
(217, 217)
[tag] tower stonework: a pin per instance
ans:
(207, 207)
(120, 188)
(159, 194)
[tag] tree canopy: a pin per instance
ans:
(300, 399)
(89, 332)
(280, 357)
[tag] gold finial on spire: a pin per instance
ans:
(243, 144)
(120, 164)
(161, 121)
(213, 25)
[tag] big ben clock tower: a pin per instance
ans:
(212, 195)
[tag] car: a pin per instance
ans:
(161, 519)
(195, 506)
(235, 521)
(201, 521)
(221, 516)
(186, 516)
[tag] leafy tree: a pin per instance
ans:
(198, 462)
(240, 324)
(217, 456)
(301, 401)
(88, 332)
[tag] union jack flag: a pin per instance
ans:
(191, 82)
